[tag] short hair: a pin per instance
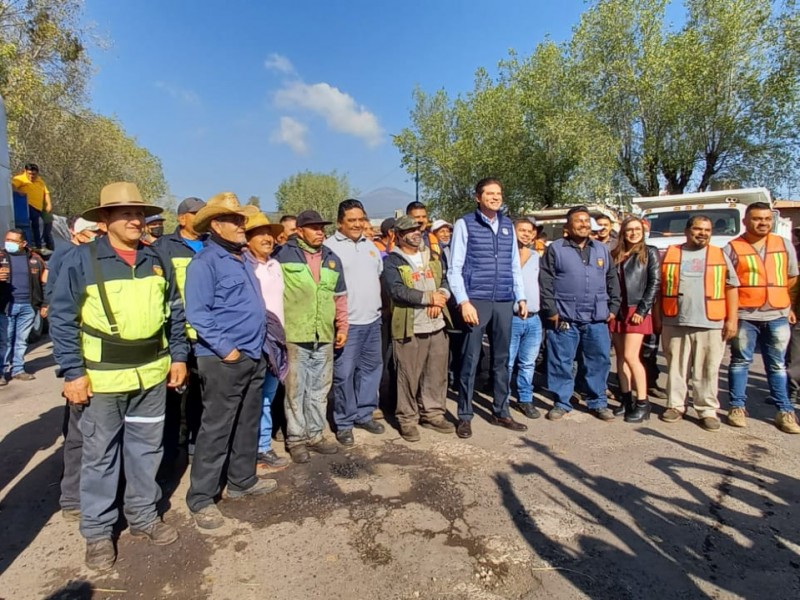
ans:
(606, 217)
(349, 204)
(19, 232)
(386, 226)
(415, 205)
(484, 182)
(71, 221)
(287, 218)
(757, 206)
(695, 218)
(32, 167)
(575, 210)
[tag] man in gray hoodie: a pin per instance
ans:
(413, 279)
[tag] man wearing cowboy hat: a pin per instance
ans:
(315, 309)
(224, 305)
(184, 405)
(117, 325)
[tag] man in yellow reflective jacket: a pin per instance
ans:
(118, 330)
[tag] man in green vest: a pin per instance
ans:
(315, 311)
(118, 330)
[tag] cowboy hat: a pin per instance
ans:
(225, 203)
(259, 220)
(120, 194)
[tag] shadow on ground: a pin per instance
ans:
(739, 534)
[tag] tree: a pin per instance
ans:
(716, 98)
(313, 191)
(254, 201)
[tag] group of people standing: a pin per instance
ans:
(189, 340)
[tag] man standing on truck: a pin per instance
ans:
(29, 184)
(766, 265)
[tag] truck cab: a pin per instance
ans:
(667, 215)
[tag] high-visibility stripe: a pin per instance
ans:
(778, 257)
(134, 419)
(671, 279)
(719, 281)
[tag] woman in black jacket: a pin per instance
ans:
(639, 276)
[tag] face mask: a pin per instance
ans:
(156, 231)
(12, 247)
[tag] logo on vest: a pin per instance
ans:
(600, 262)
(331, 265)
(505, 231)
(158, 271)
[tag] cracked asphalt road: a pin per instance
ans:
(573, 509)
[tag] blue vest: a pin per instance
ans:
(487, 264)
(580, 290)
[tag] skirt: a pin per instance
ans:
(625, 326)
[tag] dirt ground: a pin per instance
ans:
(573, 509)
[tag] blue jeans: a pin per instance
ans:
(595, 347)
(267, 396)
(357, 370)
(772, 338)
(526, 338)
(35, 216)
(307, 385)
(15, 327)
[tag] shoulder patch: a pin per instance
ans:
(158, 271)
(332, 264)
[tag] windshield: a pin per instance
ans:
(724, 221)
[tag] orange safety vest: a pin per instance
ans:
(762, 281)
(716, 272)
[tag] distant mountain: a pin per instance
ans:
(383, 202)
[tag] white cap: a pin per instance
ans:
(595, 226)
(82, 224)
(439, 223)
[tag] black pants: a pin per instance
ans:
(73, 451)
(228, 427)
(498, 314)
(793, 361)
(182, 418)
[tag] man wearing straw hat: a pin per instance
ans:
(224, 305)
(117, 325)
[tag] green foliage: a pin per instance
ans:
(254, 201)
(627, 105)
(44, 69)
(313, 191)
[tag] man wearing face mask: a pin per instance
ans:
(154, 229)
(225, 307)
(22, 276)
(414, 280)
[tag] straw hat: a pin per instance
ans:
(120, 194)
(260, 220)
(225, 203)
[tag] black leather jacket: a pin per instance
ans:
(641, 282)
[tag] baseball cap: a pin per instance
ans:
(439, 223)
(595, 225)
(80, 225)
(311, 217)
(190, 205)
(153, 219)
(405, 223)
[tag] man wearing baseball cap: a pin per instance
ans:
(224, 305)
(118, 331)
(154, 229)
(183, 406)
(315, 313)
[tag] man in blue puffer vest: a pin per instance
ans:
(486, 280)
(580, 295)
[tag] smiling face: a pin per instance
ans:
(579, 226)
(758, 222)
(490, 199)
(125, 225)
(260, 242)
(351, 225)
(525, 232)
(698, 234)
(443, 234)
(634, 233)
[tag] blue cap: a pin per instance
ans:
(153, 219)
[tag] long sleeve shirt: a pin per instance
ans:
(458, 254)
(547, 273)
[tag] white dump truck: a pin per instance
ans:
(667, 215)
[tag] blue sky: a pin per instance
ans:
(239, 95)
